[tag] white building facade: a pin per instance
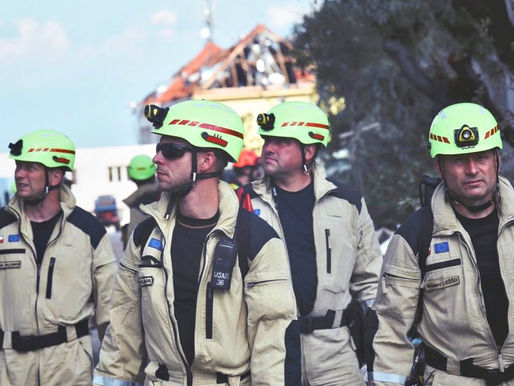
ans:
(98, 171)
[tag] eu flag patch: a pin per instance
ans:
(14, 238)
(154, 243)
(441, 247)
(257, 211)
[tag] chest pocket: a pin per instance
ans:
(443, 286)
(443, 266)
(336, 243)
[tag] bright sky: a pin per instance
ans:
(75, 66)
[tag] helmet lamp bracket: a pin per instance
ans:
(466, 136)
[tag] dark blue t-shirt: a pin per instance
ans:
(295, 212)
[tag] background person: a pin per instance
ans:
(141, 171)
(56, 270)
(243, 168)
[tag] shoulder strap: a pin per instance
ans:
(245, 194)
(425, 229)
(426, 226)
(243, 241)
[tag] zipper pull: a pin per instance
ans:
(501, 364)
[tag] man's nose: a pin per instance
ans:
(471, 166)
(158, 158)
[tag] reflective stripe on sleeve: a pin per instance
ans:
(106, 381)
(387, 377)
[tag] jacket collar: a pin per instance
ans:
(445, 219)
(66, 198)
(322, 186)
(228, 207)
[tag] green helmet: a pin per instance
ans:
(463, 128)
(141, 167)
(48, 147)
(202, 123)
(303, 121)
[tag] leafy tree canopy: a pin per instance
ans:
(397, 63)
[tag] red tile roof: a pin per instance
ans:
(213, 60)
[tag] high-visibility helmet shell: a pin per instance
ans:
(463, 128)
(202, 123)
(303, 121)
(141, 167)
(51, 148)
(246, 158)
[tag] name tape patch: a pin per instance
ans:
(441, 247)
(442, 283)
(145, 281)
(14, 264)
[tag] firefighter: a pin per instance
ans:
(56, 270)
(334, 254)
(204, 290)
(448, 269)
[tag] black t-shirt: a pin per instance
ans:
(186, 250)
(41, 232)
(295, 212)
(484, 235)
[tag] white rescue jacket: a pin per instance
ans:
(348, 260)
(454, 321)
(238, 330)
(73, 284)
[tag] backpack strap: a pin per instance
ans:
(243, 240)
(426, 227)
(245, 194)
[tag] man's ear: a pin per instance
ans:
(310, 152)
(206, 161)
(55, 176)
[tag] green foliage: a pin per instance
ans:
(396, 63)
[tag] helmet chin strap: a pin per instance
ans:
(471, 208)
(305, 166)
(48, 188)
(185, 189)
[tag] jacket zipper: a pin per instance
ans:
(329, 251)
(189, 374)
(501, 363)
(50, 278)
(37, 288)
(209, 295)
(479, 291)
(208, 311)
(254, 283)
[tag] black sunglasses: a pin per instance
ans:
(172, 151)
